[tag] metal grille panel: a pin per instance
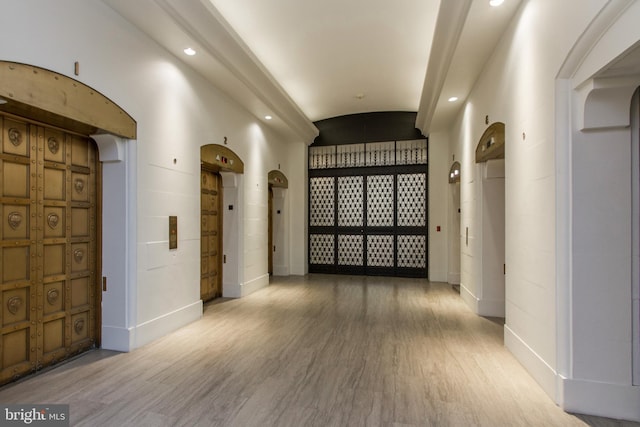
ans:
(322, 249)
(380, 201)
(350, 201)
(412, 251)
(380, 251)
(350, 251)
(412, 201)
(322, 201)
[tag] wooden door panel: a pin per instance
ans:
(210, 234)
(80, 222)
(15, 178)
(81, 153)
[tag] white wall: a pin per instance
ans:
(567, 200)
(177, 111)
(438, 207)
(517, 88)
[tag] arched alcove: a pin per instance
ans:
(454, 173)
(54, 99)
(453, 274)
(598, 345)
(278, 224)
(490, 175)
(221, 225)
(491, 144)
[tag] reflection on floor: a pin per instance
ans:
(311, 351)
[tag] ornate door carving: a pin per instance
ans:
(48, 246)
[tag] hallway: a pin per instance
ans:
(311, 351)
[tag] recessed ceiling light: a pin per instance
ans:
(453, 99)
(495, 3)
(189, 51)
(3, 101)
(268, 117)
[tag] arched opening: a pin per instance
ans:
(490, 158)
(220, 252)
(278, 218)
(58, 210)
(454, 226)
(597, 220)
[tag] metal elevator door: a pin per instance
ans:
(48, 247)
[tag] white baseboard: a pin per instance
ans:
(491, 308)
(251, 286)
(542, 372)
(601, 399)
(116, 338)
(482, 307)
(281, 270)
(469, 298)
(161, 326)
(127, 339)
(437, 276)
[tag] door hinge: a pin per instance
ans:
(104, 284)
(504, 268)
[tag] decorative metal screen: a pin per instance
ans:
(350, 250)
(380, 189)
(380, 251)
(321, 248)
(412, 201)
(322, 201)
(368, 208)
(350, 201)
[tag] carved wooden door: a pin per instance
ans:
(48, 246)
(210, 236)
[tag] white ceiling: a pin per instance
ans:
(302, 61)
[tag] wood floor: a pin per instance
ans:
(313, 351)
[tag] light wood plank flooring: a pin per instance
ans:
(314, 351)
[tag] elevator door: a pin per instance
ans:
(211, 236)
(48, 247)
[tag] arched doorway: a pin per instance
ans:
(217, 161)
(490, 158)
(597, 218)
(51, 183)
(453, 276)
(277, 249)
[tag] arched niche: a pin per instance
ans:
(220, 159)
(278, 220)
(491, 144)
(277, 179)
(61, 101)
(454, 173)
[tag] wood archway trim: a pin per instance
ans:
(219, 158)
(491, 145)
(278, 179)
(61, 101)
